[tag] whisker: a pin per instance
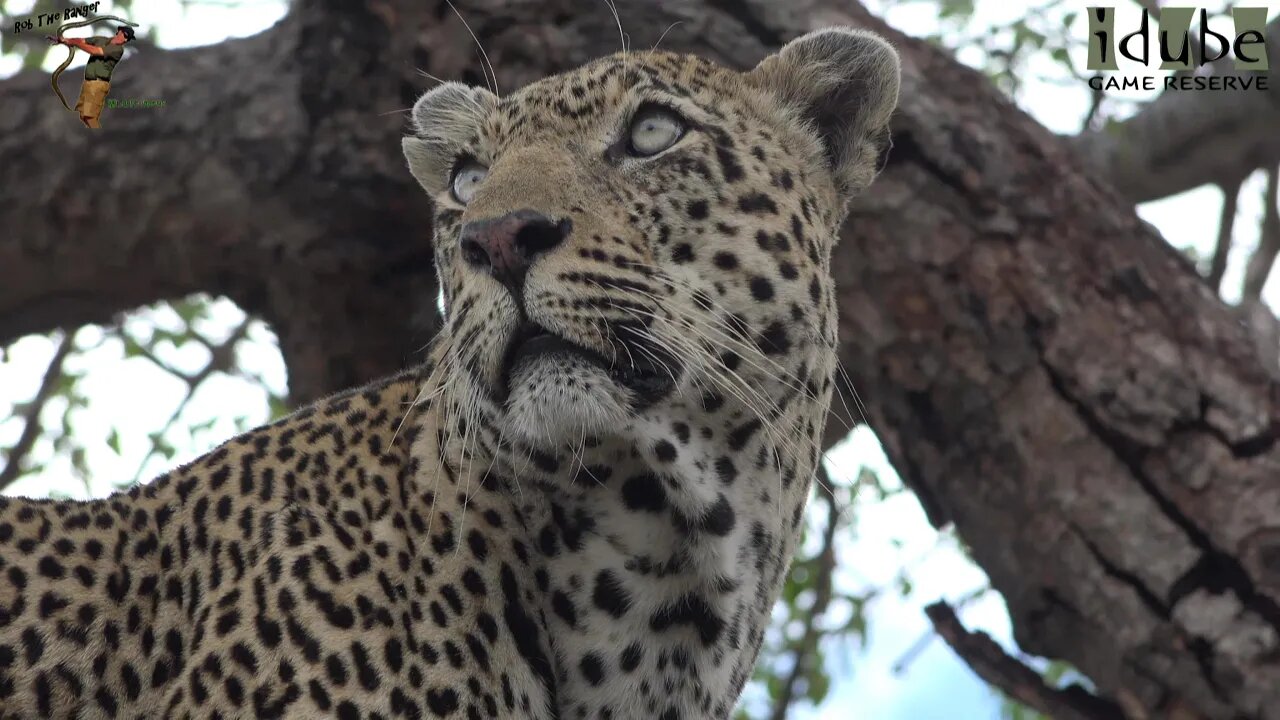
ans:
(582, 451)
(613, 7)
(424, 394)
(748, 351)
(468, 454)
(483, 54)
(664, 34)
(426, 74)
(751, 398)
(442, 440)
(857, 400)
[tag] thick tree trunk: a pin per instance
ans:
(1044, 371)
(1055, 380)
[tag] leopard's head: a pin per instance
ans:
(648, 229)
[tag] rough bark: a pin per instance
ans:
(269, 176)
(1055, 380)
(1044, 371)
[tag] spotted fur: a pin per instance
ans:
(468, 540)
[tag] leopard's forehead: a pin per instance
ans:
(614, 75)
(583, 96)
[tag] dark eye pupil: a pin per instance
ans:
(652, 130)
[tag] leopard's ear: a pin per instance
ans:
(444, 120)
(845, 83)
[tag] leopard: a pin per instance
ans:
(581, 504)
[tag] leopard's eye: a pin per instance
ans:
(467, 179)
(654, 129)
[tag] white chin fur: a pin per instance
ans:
(555, 402)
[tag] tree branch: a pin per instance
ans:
(221, 359)
(299, 176)
(1226, 225)
(1184, 139)
(1151, 6)
(926, 638)
(31, 415)
(284, 190)
(1048, 375)
(825, 562)
(1043, 371)
(1005, 672)
(1096, 97)
(1264, 257)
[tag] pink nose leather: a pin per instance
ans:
(506, 246)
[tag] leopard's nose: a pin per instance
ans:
(506, 246)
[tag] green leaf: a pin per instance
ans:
(162, 446)
(1055, 672)
(773, 684)
(201, 427)
(277, 407)
(113, 441)
(185, 310)
(819, 683)
(79, 461)
(66, 426)
(857, 625)
(176, 339)
(131, 347)
(955, 9)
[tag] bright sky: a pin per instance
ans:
(890, 538)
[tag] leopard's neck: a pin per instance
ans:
(658, 553)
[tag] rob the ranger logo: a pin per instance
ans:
(1179, 50)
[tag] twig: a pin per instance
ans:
(1012, 677)
(221, 359)
(1095, 104)
(826, 562)
(927, 638)
(1226, 223)
(31, 417)
(1264, 258)
(1152, 7)
(919, 646)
